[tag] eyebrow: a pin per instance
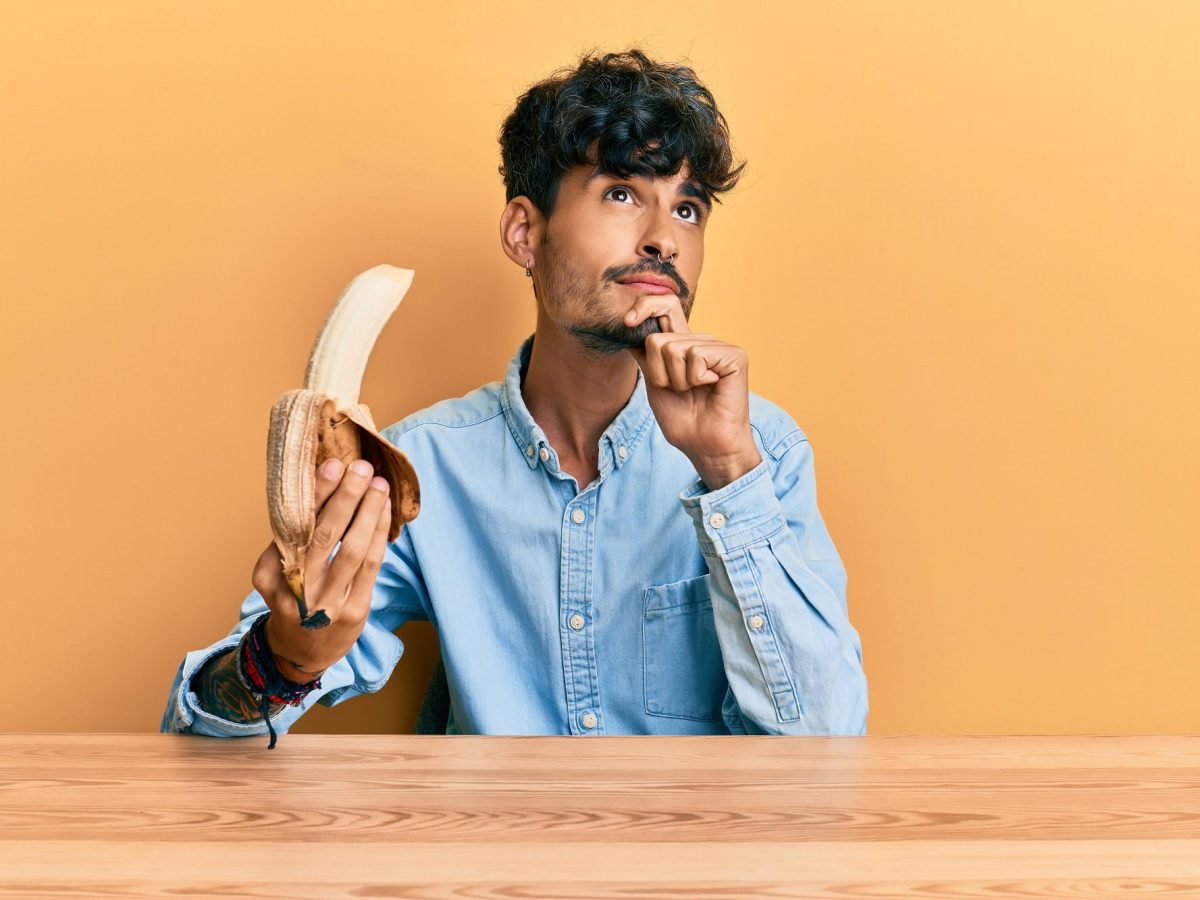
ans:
(687, 189)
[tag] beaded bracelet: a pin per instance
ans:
(257, 671)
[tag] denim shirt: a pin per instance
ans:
(642, 603)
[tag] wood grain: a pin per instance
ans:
(498, 816)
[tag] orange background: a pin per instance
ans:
(964, 257)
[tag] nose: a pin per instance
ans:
(659, 240)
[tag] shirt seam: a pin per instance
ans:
(781, 446)
(414, 425)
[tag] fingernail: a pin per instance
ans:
(379, 484)
(332, 468)
(362, 467)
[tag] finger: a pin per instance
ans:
(268, 570)
(698, 371)
(678, 359)
(657, 362)
(653, 367)
(353, 550)
(721, 359)
(666, 306)
(358, 603)
(334, 517)
(327, 481)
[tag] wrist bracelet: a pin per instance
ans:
(257, 671)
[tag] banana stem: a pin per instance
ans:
(319, 619)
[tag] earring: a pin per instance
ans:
(528, 274)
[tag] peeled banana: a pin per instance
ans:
(325, 419)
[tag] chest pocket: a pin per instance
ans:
(682, 671)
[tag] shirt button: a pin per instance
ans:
(589, 720)
(577, 621)
(578, 516)
(622, 452)
(544, 454)
(756, 622)
(716, 520)
(529, 450)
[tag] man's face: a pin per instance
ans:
(606, 228)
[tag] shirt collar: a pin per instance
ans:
(616, 444)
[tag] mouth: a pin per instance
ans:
(649, 284)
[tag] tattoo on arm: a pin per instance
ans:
(221, 693)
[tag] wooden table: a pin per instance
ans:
(408, 816)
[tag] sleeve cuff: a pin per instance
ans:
(191, 718)
(741, 513)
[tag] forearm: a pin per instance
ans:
(219, 691)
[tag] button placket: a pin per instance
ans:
(578, 641)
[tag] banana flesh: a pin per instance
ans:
(325, 419)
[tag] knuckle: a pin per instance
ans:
(323, 535)
(351, 553)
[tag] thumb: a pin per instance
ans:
(268, 572)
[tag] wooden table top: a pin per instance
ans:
(424, 816)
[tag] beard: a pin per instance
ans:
(611, 335)
(598, 331)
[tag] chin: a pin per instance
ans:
(611, 338)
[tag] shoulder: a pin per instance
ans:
(447, 416)
(774, 428)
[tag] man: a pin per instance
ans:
(617, 538)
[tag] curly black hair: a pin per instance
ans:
(647, 117)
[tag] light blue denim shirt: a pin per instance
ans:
(642, 604)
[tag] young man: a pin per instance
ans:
(617, 538)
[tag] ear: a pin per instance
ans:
(521, 227)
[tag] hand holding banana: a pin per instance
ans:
(699, 390)
(356, 509)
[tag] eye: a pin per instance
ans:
(696, 213)
(614, 191)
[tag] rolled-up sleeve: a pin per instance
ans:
(398, 595)
(778, 587)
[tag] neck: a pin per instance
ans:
(573, 394)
